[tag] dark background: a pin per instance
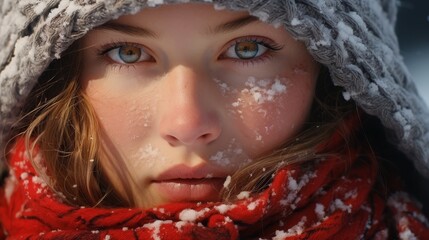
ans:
(413, 34)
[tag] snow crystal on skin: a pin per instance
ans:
(258, 137)
(227, 182)
(222, 86)
(261, 91)
(277, 24)
(223, 158)
(190, 215)
(149, 152)
(220, 159)
(243, 195)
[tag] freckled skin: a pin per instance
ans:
(187, 105)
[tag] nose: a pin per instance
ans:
(188, 116)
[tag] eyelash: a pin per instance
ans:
(102, 53)
(271, 46)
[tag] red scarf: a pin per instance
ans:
(336, 200)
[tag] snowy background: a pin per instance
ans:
(413, 32)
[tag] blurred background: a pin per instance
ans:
(413, 33)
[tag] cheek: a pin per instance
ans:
(124, 117)
(267, 111)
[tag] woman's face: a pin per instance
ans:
(186, 95)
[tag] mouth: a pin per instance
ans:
(189, 184)
(190, 190)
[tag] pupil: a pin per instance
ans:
(246, 50)
(129, 54)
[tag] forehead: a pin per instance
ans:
(202, 17)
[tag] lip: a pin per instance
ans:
(182, 183)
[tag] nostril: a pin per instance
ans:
(205, 136)
(171, 139)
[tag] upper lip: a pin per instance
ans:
(182, 171)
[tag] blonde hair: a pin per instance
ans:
(58, 119)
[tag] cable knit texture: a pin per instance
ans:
(354, 39)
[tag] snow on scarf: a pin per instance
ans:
(328, 202)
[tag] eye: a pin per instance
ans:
(245, 50)
(127, 54)
(250, 48)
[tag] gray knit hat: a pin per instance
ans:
(354, 39)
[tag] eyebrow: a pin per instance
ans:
(233, 25)
(127, 29)
(143, 32)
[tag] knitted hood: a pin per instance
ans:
(355, 40)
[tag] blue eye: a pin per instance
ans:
(246, 50)
(128, 54)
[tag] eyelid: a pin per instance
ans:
(105, 48)
(271, 45)
(266, 42)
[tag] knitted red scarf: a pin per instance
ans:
(336, 200)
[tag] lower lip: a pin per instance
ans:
(194, 190)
